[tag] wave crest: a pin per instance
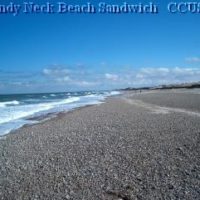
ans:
(9, 103)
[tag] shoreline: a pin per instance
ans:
(43, 118)
(43, 115)
(50, 116)
(121, 149)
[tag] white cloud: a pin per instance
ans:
(56, 71)
(193, 59)
(155, 76)
(168, 71)
(162, 71)
(64, 76)
(60, 77)
(63, 79)
(176, 74)
(112, 77)
(186, 71)
(140, 76)
(58, 74)
(84, 83)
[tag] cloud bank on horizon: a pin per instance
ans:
(64, 78)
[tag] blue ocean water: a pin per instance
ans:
(17, 110)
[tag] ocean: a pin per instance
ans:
(17, 110)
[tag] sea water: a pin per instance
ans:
(17, 110)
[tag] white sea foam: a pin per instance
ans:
(14, 114)
(115, 93)
(4, 104)
(69, 100)
(17, 112)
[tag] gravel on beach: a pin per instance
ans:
(124, 149)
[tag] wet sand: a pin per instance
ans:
(136, 146)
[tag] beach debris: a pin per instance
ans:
(117, 195)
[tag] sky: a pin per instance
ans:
(76, 52)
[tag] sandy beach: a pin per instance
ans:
(134, 146)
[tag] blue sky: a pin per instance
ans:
(64, 52)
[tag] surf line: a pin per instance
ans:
(149, 8)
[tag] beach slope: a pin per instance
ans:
(135, 146)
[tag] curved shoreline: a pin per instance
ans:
(115, 150)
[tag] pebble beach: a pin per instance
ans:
(135, 146)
